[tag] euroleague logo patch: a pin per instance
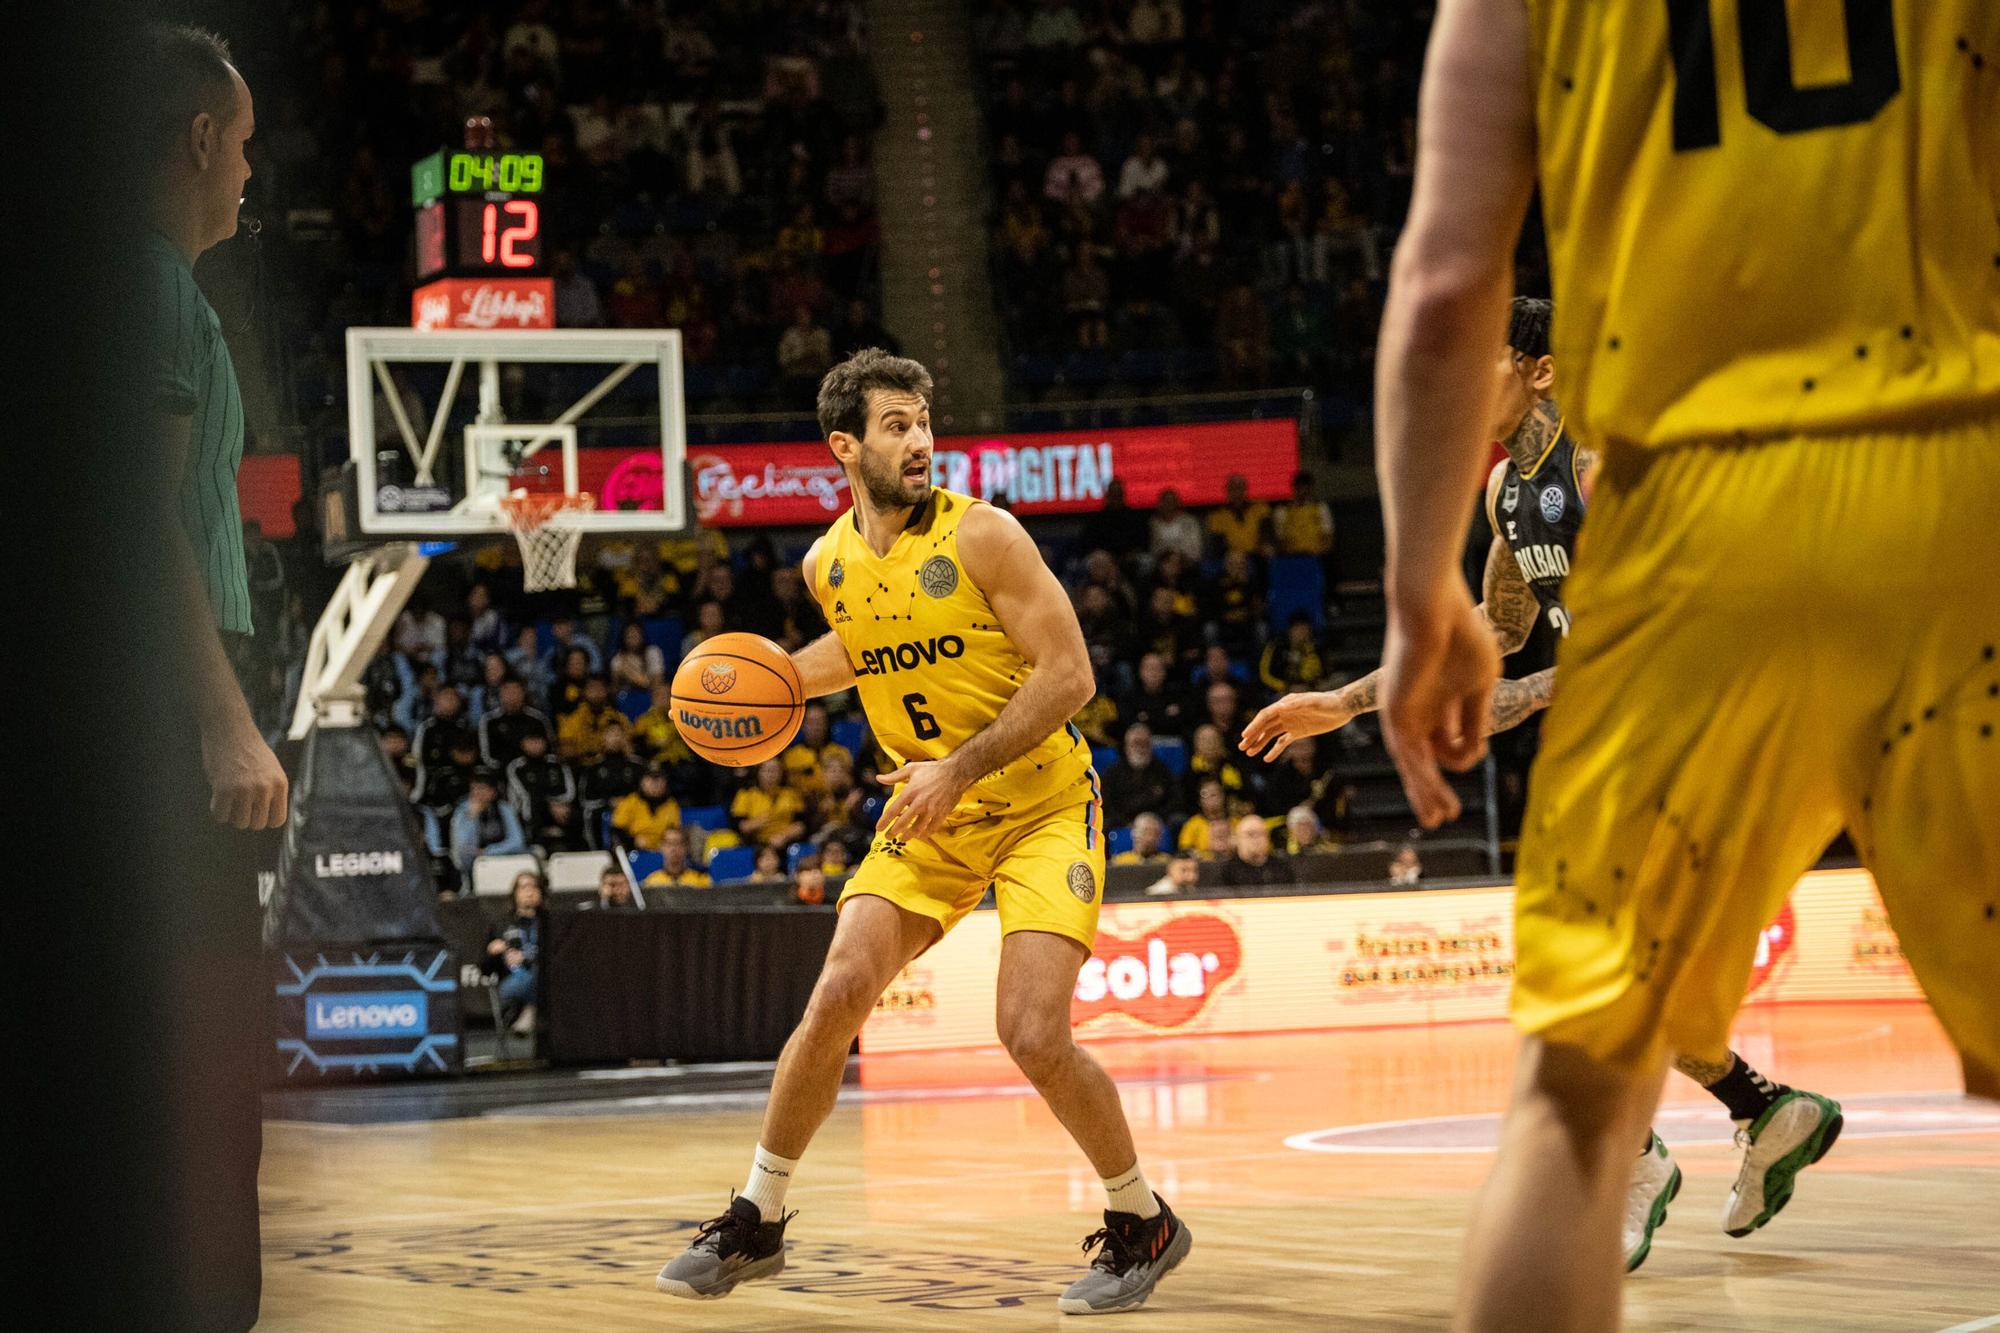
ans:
(718, 677)
(1081, 882)
(1552, 503)
(939, 576)
(836, 575)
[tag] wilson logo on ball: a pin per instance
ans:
(721, 728)
(718, 677)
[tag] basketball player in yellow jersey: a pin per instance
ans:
(969, 663)
(1776, 262)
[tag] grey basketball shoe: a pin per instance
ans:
(739, 1246)
(1137, 1252)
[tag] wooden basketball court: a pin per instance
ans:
(1326, 1179)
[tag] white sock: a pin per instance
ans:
(1130, 1193)
(769, 1175)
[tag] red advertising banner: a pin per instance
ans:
(786, 485)
(1178, 968)
(484, 303)
(1046, 472)
(267, 486)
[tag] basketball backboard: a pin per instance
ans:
(557, 411)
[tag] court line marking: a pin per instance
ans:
(1372, 1150)
(1308, 1141)
(1973, 1325)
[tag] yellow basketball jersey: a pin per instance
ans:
(1770, 216)
(931, 662)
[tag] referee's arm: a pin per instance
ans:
(247, 784)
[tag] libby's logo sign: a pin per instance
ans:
(1775, 942)
(486, 303)
(1163, 978)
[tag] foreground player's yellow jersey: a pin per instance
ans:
(931, 662)
(1770, 216)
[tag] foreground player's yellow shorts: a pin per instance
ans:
(1771, 642)
(1045, 866)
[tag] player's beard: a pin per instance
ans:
(888, 488)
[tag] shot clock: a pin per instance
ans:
(479, 214)
(479, 238)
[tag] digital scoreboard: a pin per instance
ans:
(479, 225)
(478, 214)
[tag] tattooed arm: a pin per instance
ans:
(1510, 608)
(1514, 701)
(1508, 603)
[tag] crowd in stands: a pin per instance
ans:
(513, 734)
(1184, 194)
(1194, 192)
(708, 169)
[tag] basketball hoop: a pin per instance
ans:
(548, 546)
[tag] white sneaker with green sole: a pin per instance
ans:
(1794, 1132)
(1655, 1182)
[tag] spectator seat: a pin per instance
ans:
(1297, 583)
(643, 864)
(1173, 752)
(665, 633)
(705, 816)
(493, 876)
(573, 871)
(732, 863)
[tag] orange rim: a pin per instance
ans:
(528, 510)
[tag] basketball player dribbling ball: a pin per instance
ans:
(1535, 500)
(1778, 317)
(969, 663)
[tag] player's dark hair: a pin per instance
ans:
(1528, 326)
(182, 71)
(843, 394)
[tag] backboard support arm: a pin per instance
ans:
(350, 632)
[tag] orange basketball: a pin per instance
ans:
(737, 699)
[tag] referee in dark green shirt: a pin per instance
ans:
(201, 416)
(198, 115)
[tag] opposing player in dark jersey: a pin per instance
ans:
(1535, 500)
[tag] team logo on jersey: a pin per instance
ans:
(1552, 503)
(1081, 882)
(717, 677)
(1510, 498)
(837, 575)
(840, 616)
(939, 576)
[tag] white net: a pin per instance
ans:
(548, 545)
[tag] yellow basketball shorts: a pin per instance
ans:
(1771, 642)
(1045, 866)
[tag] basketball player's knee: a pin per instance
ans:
(1038, 1043)
(839, 1006)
